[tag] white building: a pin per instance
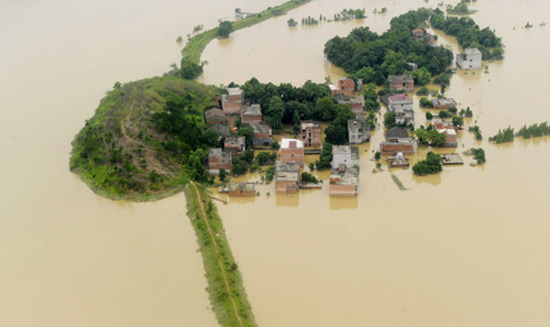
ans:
(345, 154)
(470, 59)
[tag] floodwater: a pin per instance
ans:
(67, 256)
(467, 247)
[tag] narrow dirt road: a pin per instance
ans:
(211, 233)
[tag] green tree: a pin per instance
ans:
(326, 108)
(429, 116)
(222, 175)
(190, 70)
(275, 110)
(248, 133)
(225, 28)
(325, 158)
(431, 165)
(389, 119)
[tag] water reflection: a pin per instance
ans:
(341, 203)
(287, 200)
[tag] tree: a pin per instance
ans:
(458, 121)
(291, 22)
(431, 165)
(264, 158)
(190, 70)
(224, 29)
(389, 119)
(239, 166)
(197, 170)
(425, 103)
(275, 111)
(326, 108)
(337, 130)
(117, 85)
(377, 155)
(325, 158)
(429, 116)
(248, 133)
(222, 174)
(309, 178)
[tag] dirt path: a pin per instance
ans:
(235, 310)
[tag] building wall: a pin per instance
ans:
(286, 187)
(293, 155)
(251, 119)
(398, 86)
(232, 107)
(393, 148)
(311, 141)
(343, 190)
(471, 62)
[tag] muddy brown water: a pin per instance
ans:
(468, 247)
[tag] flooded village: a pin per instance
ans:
(362, 241)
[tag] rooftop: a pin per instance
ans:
(356, 123)
(444, 102)
(261, 128)
(291, 144)
(254, 109)
(400, 78)
(238, 140)
(397, 132)
(242, 187)
(400, 97)
(234, 91)
(472, 51)
(309, 124)
(346, 149)
(214, 112)
(349, 177)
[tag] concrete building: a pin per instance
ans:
(397, 140)
(358, 131)
(235, 145)
(443, 103)
(470, 59)
(401, 83)
(242, 190)
(344, 181)
(233, 101)
(346, 155)
(215, 116)
(287, 177)
(292, 151)
(310, 134)
(222, 129)
(252, 115)
(346, 86)
(217, 159)
(450, 137)
(404, 117)
(262, 135)
(400, 101)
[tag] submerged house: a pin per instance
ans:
(242, 189)
(346, 86)
(358, 131)
(344, 181)
(402, 106)
(355, 104)
(470, 59)
(262, 135)
(310, 134)
(292, 151)
(397, 140)
(287, 177)
(401, 83)
(217, 159)
(233, 101)
(346, 155)
(443, 103)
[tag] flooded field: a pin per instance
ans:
(468, 247)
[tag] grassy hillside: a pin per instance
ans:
(120, 153)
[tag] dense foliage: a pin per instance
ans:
(431, 165)
(373, 57)
(225, 28)
(468, 34)
(326, 157)
(534, 130)
(477, 131)
(431, 137)
(479, 155)
(309, 178)
(337, 130)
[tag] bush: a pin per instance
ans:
(423, 91)
(309, 178)
(431, 165)
(425, 103)
(225, 28)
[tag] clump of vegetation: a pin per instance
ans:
(179, 39)
(458, 121)
(431, 165)
(348, 14)
(431, 137)
(503, 136)
(337, 130)
(466, 113)
(460, 9)
(325, 158)
(398, 183)
(429, 116)
(479, 155)
(444, 114)
(309, 21)
(425, 103)
(377, 156)
(309, 178)
(371, 98)
(528, 25)
(266, 158)
(372, 57)
(534, 130)
(423, 91)
(224, 29)
(270, 173)
(292, 22)
(468, 34)
(477, 131)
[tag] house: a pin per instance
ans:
(346, 86)
(397, 140)
(292, 151)
(252, 115)
(242, 189)
(400, 101)
(358, 131)
(222, 129)
(404, 116)
(443, 103)
(217, 159)
(287, 177)
(401, 83)
(346, 155)
(344, 181)
(450, 137)
(420, 34)
(310, 134)
(235, 145)
(470, 59)
(438, 123)
(232, 102)
(355, 104)
(262, 135)
(215, 116)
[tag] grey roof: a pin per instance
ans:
(352, 150)
(472, 51)
(357, 124)
(213, 113)
(287, 171)
(222, 129)
(261, 128)
(242, 186)
(444, 102)
(234, 91)
(237, 140)
(400, 78)
(397, 132)
(254, 109)
(349, 177)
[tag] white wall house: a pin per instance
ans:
(470, 59)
